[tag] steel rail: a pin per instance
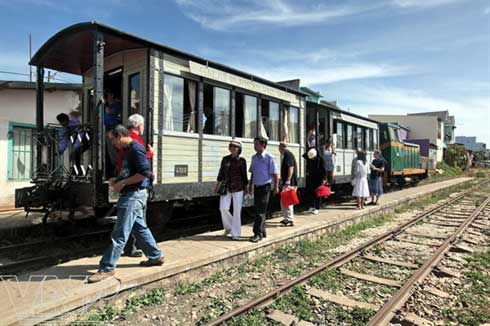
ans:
(25, 245)
(337, 261)
(388, 311)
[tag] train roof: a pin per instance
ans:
(71, 50)
(331, 105)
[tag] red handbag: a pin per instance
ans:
(323, 191)
(289, 197)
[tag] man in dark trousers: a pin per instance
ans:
(132, 185)
(289, 178)
(264, 172)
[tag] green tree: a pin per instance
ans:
(455, 156)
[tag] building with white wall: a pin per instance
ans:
(421, 127)
(17, 124)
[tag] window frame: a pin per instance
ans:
(347, 127)
(230, 93)
(140, 93)
(280, 105)
(10, 155)
(342, 130)
(288, 107)
(375, 139)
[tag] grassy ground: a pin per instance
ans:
(474, 297)
(289, 260)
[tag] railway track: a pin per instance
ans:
(450, 226)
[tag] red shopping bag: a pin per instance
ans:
(323, 191)
(289, 197)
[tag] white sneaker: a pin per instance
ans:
(311, 210)
(315, 212)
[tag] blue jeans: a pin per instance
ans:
(131, 208)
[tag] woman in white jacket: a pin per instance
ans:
(360, 182)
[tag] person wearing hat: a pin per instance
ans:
(316, 176)
(232, 182)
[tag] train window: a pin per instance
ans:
(245, 116)
(270, 119)
(398, 135)
(371, 140)
(323, 135)
(359, 139)
(134, 94)
(179, 103)
(391, 133)
(375, 139)
(217, 111)
(293, 125)
(366, 139)
(340, 135)
(350, 143)
(173, 103)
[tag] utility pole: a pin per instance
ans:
(30, 57)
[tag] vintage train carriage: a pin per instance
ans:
(344, 130)
(403, 157)
(193, 107)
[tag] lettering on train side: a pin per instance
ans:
(181, 170)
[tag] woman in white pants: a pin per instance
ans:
(232, 182)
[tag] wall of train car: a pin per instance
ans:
(131, 62)
(181, 149)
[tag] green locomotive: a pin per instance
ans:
(403, 158)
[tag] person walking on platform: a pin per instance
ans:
(316, 176)
(330, 162)
(131, 207)
(289, 178)
(232, 182)
(136, 124)
(377, 166)
(264, 172)
(360, 183)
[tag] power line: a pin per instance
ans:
(27, 75)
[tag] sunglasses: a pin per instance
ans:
(234, 146)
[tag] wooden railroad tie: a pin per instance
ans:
(370, 278)
(417, 320)
(390, 261)
(287, 319)
(340, 299)
(430, 236)
(436, 292)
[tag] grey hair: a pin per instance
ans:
(135, 120)
(120, 130)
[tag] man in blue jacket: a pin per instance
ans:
(132, 185)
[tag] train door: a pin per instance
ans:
(113, 89)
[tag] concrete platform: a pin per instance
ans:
(47, 293)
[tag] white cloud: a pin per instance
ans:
(222, 15)
(423, 3)
(486, 11)
(331, 73)
(320, 66)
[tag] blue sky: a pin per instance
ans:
(376, 56)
